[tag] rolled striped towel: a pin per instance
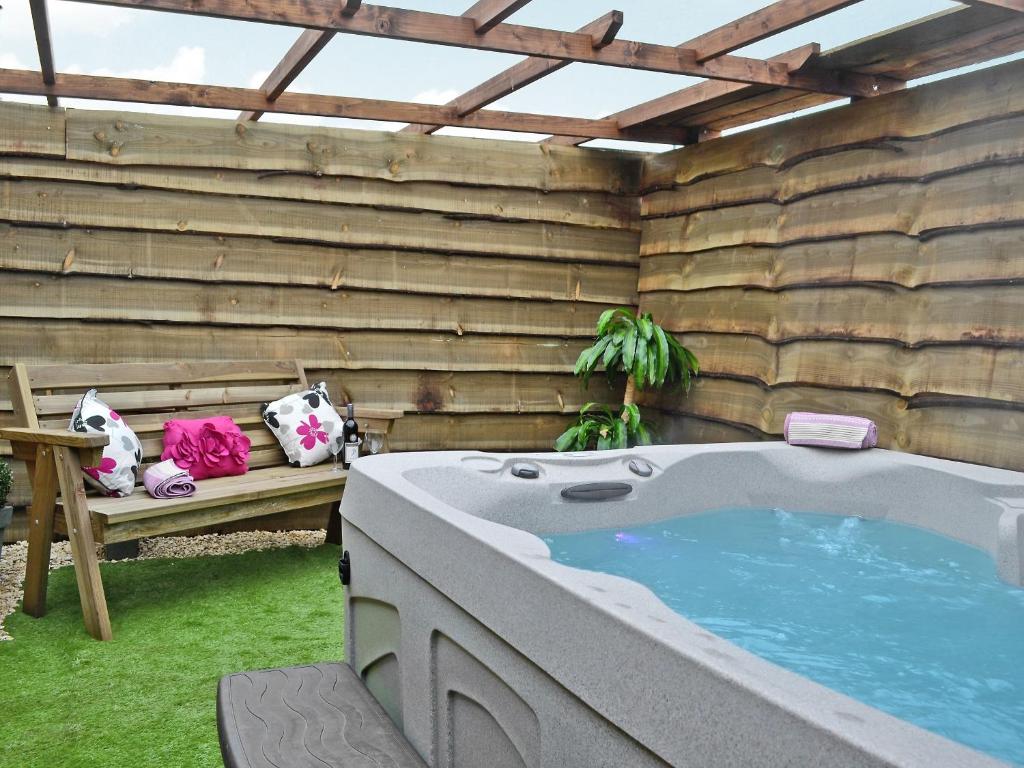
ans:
(830, 430)
(167, 480)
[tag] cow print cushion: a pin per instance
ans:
(118, 471)
(305, 424)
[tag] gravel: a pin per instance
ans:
(12, 563)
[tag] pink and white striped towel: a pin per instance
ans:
(830, 430)
(166, 480)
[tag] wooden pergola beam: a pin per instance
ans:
(662, 107)
(41, 23)
(487, 14)
(762, 23)
(601, 30)
(459, 31)
(298, 57)
(28, 82)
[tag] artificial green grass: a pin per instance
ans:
(148, 697)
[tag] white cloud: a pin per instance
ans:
(258, 78)
(10, 61)
(435, 96)
(187, 66)
(76, 18)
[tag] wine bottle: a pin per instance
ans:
(350, 434)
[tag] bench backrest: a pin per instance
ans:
(148, 394)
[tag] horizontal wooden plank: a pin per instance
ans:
(71, 297)
(885, 160)
(963, 370)
(984, 313)
(673, 428)
(46, 340)
(208, 258)
(97, 205)
(594, 209)
(986, 255)
(158, 399)
(146, 139)
(30, 129)
(975, 434)
(466, 392)
(981, 197)
(483, 432)
(979, 96)
(77, 375)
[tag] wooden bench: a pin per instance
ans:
(313, 716)
(147, 395)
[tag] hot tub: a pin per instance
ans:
(486, 652)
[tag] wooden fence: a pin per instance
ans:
(867, 259)
(456, 279)
(863, 260)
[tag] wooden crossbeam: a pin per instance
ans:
(28, 82)
(459, 31)
(41, 22)
(602, 31)
(298, 57)
(487, 14)
(762, 23)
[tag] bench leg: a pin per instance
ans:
(334, 525)
(40, 532)
(83, 545)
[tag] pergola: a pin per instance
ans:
(738, 90)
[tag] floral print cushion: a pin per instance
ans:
(210, 447)
(119, 469)
(304, 424)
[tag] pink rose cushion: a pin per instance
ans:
(211, 447)
(119, 468)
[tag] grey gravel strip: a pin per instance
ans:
(12, 564)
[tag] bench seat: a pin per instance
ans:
(147, 395)
(310, 716)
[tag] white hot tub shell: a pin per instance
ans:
(489, 654)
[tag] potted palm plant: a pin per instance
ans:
(634, 345)
(6, 511)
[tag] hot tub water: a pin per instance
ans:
(906, 620)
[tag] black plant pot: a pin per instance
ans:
(5, 520)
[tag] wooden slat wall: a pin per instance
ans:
(865, 260)
(454, 279)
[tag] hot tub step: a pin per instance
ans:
(300, 717)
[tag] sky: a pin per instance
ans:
(94, 39)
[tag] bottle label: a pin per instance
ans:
(351, 452)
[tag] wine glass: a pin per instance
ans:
(336, 445)
(374, 441)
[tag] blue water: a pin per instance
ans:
(910, 622)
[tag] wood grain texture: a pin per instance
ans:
(865, 260)
(987, 255)
(215, 259)
(595, 209)
(928, 372)
(983, 197)
(29, 129)
(976, 97)
(97, 205)
(73, 297)
(971, 432)
(128, 138)
(988, 314)
(989, 143)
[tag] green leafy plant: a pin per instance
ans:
(649, 356)
(598, 427)
(639, 347)
(6, 479)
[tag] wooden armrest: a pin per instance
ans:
(61, 437)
